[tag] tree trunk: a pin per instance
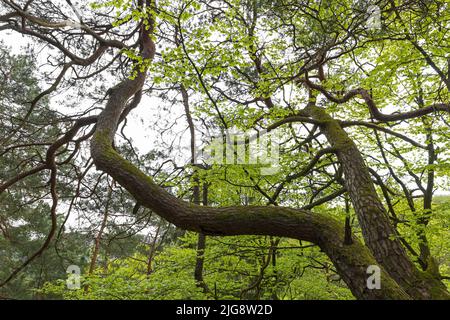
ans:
(378, 232)
(98, 238)
(152, 250)
(201, 247)
(201, 242)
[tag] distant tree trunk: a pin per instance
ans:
(201, 246)
(424, 219)
(98, 238)
(152, 250)
(274, 244)
(201, 242)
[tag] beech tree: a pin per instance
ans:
(358, 90)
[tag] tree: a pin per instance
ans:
(278, 66)
(24, 222)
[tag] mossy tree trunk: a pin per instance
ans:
(399, 277)
(378, 232)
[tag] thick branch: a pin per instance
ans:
(375, 112)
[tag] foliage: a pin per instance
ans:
(247, 65)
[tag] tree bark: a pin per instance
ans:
(378, 232)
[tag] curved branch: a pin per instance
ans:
(345, 124)
(61, 24)
(374, 111)
(51, 151)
